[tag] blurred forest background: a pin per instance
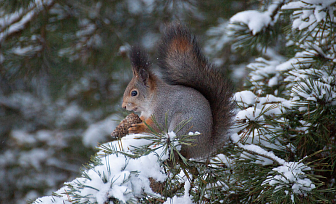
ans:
(63, 70)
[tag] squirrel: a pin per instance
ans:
(189, 88)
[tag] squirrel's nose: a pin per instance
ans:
(123, 105)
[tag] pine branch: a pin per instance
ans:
(21, 21)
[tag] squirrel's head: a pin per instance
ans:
(140, 89)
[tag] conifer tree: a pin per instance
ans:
(286, 126)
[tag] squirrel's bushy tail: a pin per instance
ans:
(181, 62)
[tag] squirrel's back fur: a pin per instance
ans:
(182, 63)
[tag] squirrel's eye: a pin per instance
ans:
(134, 93)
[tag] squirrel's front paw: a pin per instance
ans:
(137, 128)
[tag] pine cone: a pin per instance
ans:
(157, 186)
(122, 129)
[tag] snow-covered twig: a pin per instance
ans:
(14, 23)
(256, 150)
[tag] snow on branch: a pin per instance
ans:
(286, 175)
(119, 174)
(257, 150)
(15, 22)
(256, 20)
(291, 174)
(300, 60)
(309, 13)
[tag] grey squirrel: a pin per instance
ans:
(190, 88)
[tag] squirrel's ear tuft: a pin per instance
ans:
(144, 76)
(139, 59)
